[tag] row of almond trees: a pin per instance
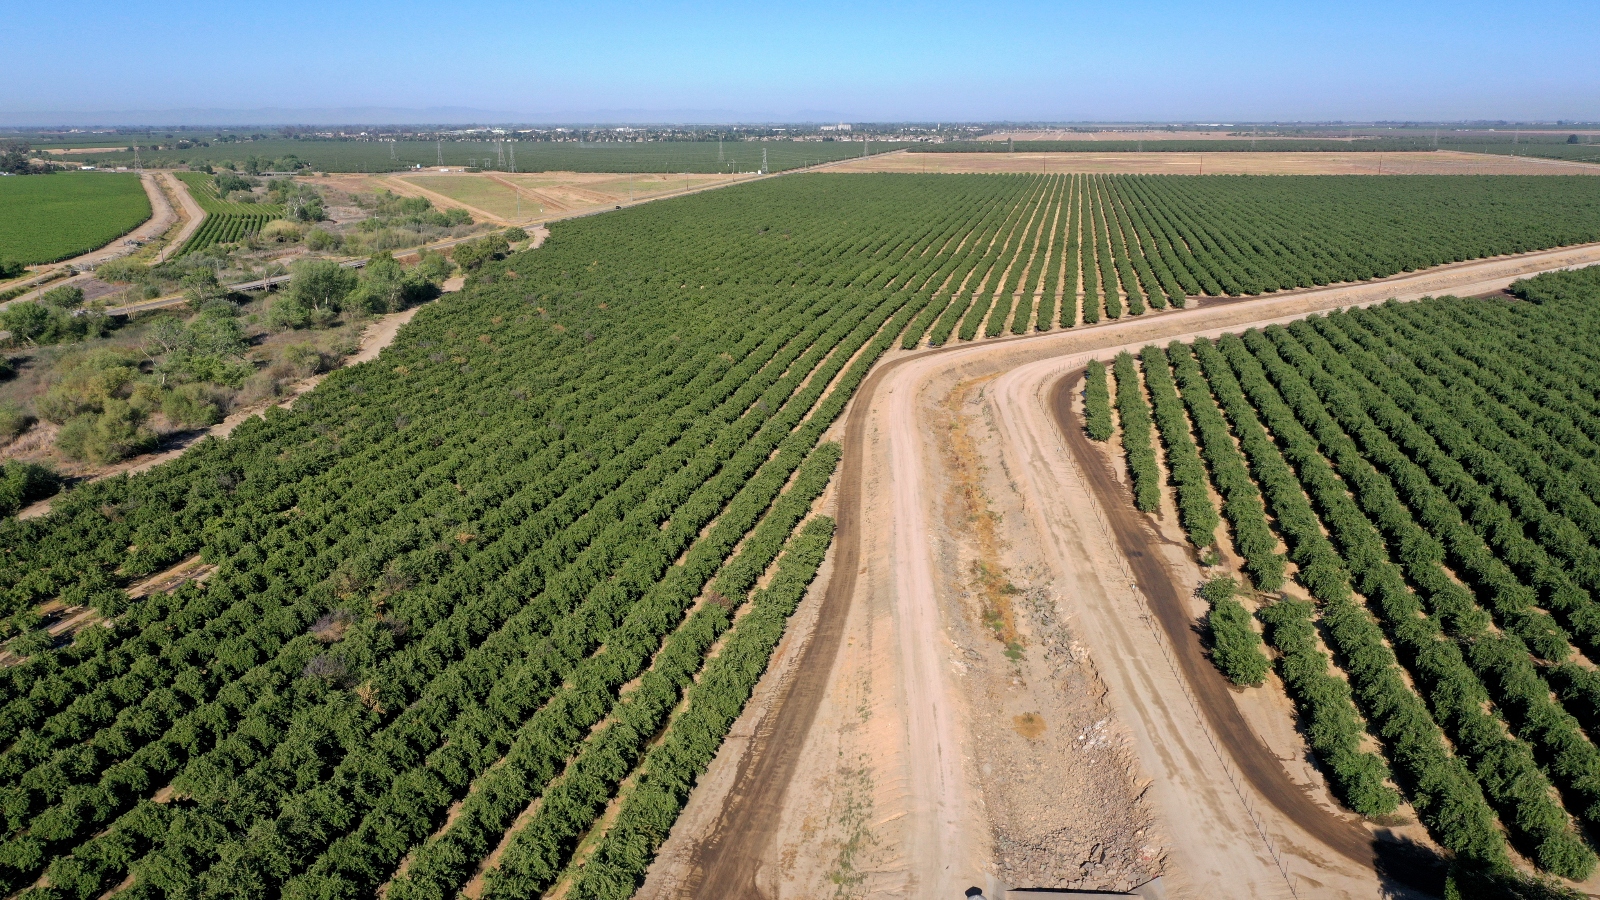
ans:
(1429, 471)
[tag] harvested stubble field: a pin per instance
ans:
(1438, 162)
(545, 195)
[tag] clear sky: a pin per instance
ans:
(860, 61)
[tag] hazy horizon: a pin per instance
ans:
(624, 62)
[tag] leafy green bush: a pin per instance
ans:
(22, 483)
(13, 420)
(1136, 428)
(191, 406)
(471, 255)
(386, 287)
(1235, 646)
(320, 239)
(1097, 402)
(116, 432)
(32, 322)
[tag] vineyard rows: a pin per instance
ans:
(226, 221)
(1428, 475)
(479, 613)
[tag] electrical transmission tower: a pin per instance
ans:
(514, 159)
(441, 151)
(501, 146)
(763, 160)
(719, 149)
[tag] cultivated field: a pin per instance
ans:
(477, 615)
(1442, 162)
(1423, 473)
(52, 217)
(1124, 136)
(542, 196)
(226, 221)
(660, 157)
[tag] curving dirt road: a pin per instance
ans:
(1236, 823)
(191, 209)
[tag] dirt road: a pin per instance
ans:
(191, 209)
(1229, 832)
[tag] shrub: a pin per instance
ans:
(64, 297)
(22, 483)
(434, 266)
(1235, 646)
(281, 231)
(321, 239)
(116, 432)
(1096, 402)
(122, 271)
(191, 406)
(13, 420)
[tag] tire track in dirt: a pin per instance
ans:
(726, 863)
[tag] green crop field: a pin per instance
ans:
(44, 218)
(502, 562)
(1545, 146)
(1431, 470)
(226, 221)
(697, 157)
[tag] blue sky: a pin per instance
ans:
(817, 60)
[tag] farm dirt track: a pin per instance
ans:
(763, 807)
(1437, 162)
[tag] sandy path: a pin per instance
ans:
(1226, 839)
(191, 208)
(941, 843)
